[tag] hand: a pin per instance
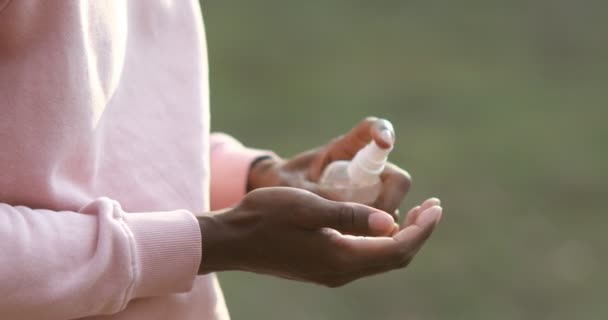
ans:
(295, 234)
(303, 171)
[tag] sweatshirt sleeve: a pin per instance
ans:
(230, 162)
(64, 265)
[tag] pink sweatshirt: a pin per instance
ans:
(105, 156)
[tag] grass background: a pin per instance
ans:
(500, 110)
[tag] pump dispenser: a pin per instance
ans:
(357, 180)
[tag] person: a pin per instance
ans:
(117, 203)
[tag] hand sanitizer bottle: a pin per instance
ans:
(357, 180)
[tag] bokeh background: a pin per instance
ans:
(500, 109)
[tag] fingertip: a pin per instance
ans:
(428, 203)
(383, 137)
(387, 137)
(436, 201)
(381, 223)
(383, 124)
(429, 217)
(382, 132)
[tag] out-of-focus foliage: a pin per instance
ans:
(500, 109)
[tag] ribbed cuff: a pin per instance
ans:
(167, 251)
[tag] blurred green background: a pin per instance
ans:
(500, 110)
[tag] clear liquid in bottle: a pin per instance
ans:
(357, 180)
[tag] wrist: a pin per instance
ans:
(263, 173)
(217, 243)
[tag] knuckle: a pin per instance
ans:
(302, 196)
(346, 216)
(249, 200)
(302, 201)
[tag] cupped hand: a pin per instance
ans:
(295, 234)
(304, 170)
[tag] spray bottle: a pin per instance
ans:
(357, 180)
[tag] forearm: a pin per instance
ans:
(64, 265)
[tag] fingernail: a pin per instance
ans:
(435, 201)
(387, 136)
(380, 222)
(429, 216)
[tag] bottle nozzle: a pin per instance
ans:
(369, 161)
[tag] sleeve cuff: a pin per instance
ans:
(230, 162)
(167, 251)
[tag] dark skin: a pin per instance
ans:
(291, 228)
(305, 169)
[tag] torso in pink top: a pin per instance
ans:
(104, 158)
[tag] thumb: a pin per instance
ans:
(348, 218)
